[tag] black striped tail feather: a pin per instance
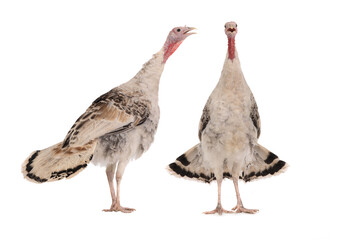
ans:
(264, 164)
(55, 163)
(191, 165)
(185, 173)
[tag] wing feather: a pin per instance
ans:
(204, 120)
(255, 116)
(113, 112)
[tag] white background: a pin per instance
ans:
(301, 59)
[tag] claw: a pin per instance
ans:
(219, 210)
(119, 208)
(240, 209)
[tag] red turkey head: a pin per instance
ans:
(230, 28)
(175, 38)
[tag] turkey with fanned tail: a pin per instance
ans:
(228, 132)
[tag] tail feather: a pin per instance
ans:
(264, 163)
(55, 163)
(191, 165)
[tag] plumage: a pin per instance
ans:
(228, 132)
(255, 116)
(118, 126)
(204, 120)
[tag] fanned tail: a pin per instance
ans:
(191, 165)
(55, 163)
(264, 164)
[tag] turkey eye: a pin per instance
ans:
(236, 24)
(225, 26)
(178, 30)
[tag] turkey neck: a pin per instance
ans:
(232, 76)
(169, 48)
(149, 76)
(147, 79)
(231, 48)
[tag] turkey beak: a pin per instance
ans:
(188, 33)
(231, 29)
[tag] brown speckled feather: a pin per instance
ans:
(255, 116)
(204, 120)
(112, 112)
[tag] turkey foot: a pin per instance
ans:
(118, 208)
(241, 209)
(219, 209)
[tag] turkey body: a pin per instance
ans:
(229, 134)
(126, 145)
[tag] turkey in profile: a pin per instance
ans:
(117, 127)
(228, 132)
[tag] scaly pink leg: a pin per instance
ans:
(239, 207)
(110, 170)
(115, 207)
(219, 209)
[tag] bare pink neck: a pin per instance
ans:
(169, 48)
(231, 48)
